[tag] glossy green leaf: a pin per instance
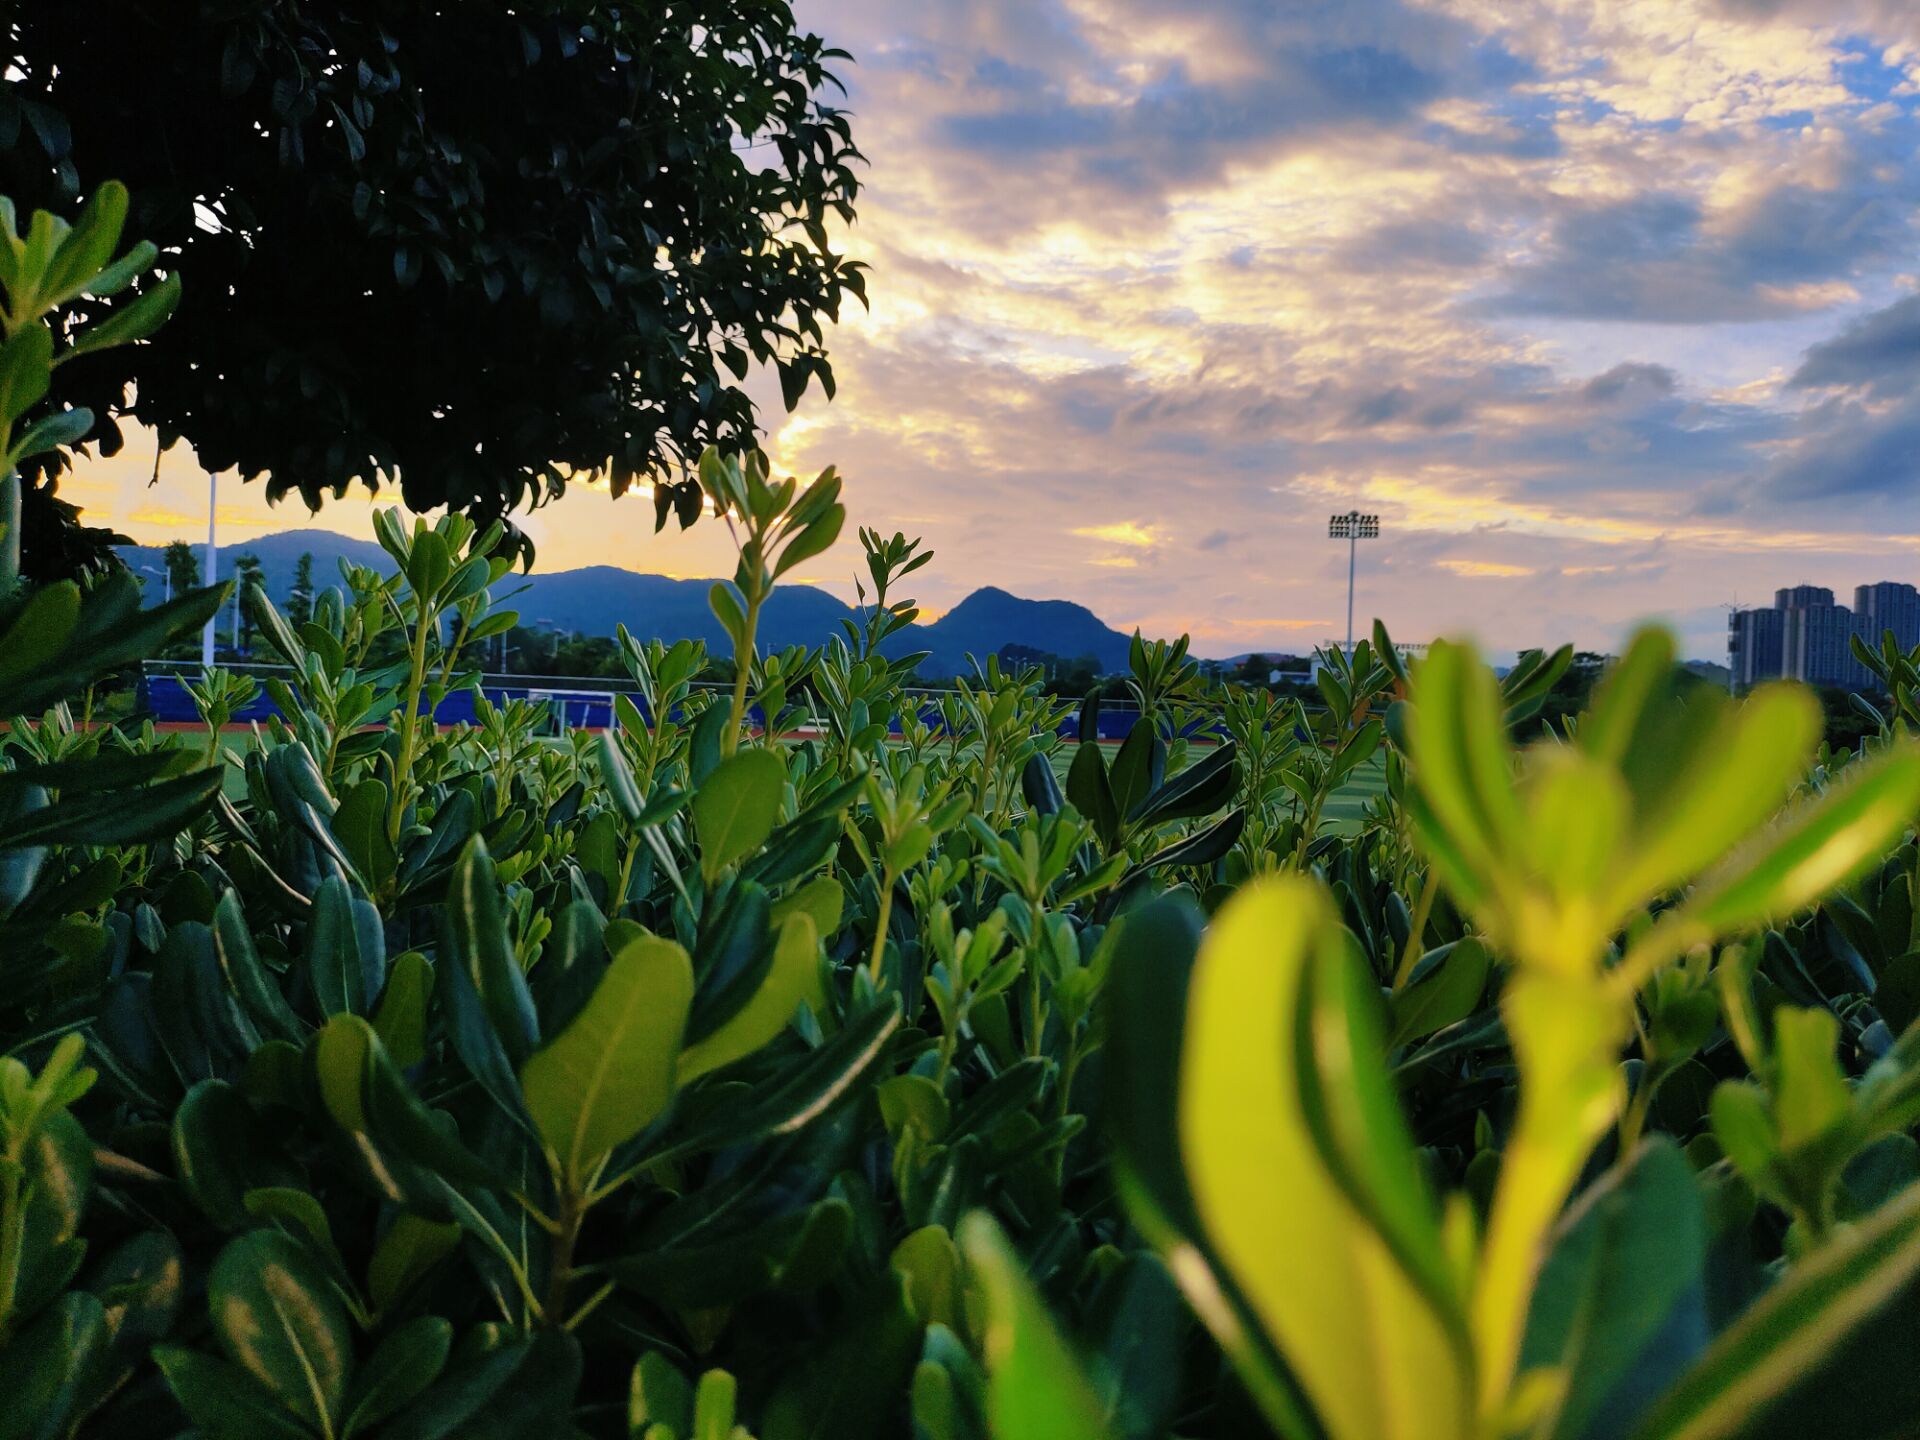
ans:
(361, 827)
(42, 1369)
(277, 1317)
(406, 1363)
(1619, 1309)
(401, 1018)
(497, 1385)
(481, 940)
(804, 1092)
(788, 981)
(1090, 792)
(411, 1246)
(658, 1394)
(248, 976)
(1136, 769)
(606, 1077)
(1829, 1343)
(735, 808)
(821, 899)
(221, 1150)
(334, 966)
(1444, 989)
(222, 1401)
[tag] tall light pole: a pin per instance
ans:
(213, 573)
(1352, 527)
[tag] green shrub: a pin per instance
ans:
(374, 1079)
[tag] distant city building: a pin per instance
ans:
(1753, 646)
(1889, 606)
(1806, 636)
(1801, 595)
(1817, 646)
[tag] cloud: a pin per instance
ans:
(1664, 257)
(1848, 453)
(1878, 352)
(1485, 569)
(1604, 303)
(1629, 380)
(1122, 532)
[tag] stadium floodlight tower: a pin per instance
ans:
(1352, 527)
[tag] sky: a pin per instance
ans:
(1609, 310)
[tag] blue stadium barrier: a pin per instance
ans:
(163, 696)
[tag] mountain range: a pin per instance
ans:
(592, 600)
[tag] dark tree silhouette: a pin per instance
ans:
(476, 249)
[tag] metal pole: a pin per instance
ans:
(1353, 548)
(213, 573)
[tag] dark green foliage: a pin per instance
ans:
(497, 181)
(369, 1079)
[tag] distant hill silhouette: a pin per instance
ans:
(990, 618)
(593, 600)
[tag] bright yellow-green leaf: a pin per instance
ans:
(1576, 817)
(340, 1064)
(604, 1078)
(1810, 1095)
(1565, 1030)
(1721, 789)
(1462, 763)
(1036, 1389)
(1376, 1357)
(1607, 729)
(929, 1261)
(1822, 844)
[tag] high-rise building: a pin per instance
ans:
(1796, 596)
(1806, 636)
(1754, 650)
(1816, 645)
(1889, 605)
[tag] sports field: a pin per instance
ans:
(1342, 812)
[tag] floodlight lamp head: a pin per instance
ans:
(1353, 526)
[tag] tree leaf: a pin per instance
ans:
(1350, 1299)
(1831, 1342)
(1821, 844)
(606, 1077)
(735, 808)
(1619, 1307)
(277, 1317)
(1037, 1389)
(1442, 995)
(788, 981)
(481, 944)
(407, 1362)
(222, 1401)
